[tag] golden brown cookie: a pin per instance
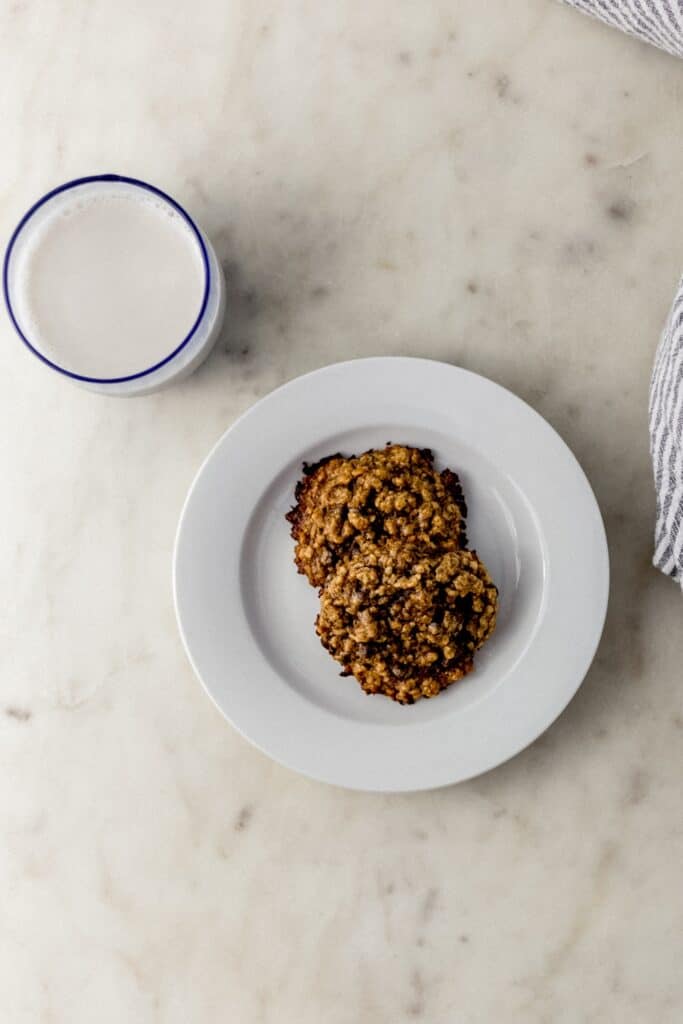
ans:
(393, 493)
(406, 621)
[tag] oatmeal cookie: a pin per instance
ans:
(393, 493)
(406, 621)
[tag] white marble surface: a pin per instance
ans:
(493, 185)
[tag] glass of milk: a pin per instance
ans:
(110, 282)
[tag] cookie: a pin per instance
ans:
(406, 621)
(393, 493)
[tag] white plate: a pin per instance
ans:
(246, 616)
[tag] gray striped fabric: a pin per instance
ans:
(660, 22)
(666, 443)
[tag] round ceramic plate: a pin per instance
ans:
(247, 617)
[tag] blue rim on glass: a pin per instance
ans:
(128, 181)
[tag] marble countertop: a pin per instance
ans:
(495, 188)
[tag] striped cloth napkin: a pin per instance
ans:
(660, 22)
